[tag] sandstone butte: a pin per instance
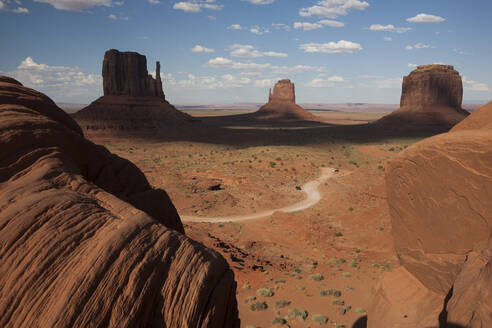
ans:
(439, 194)
(430, 100)
(85, 241)
(133, 100)
(282, 105)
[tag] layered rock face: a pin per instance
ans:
(439, 193)
(85, 241)
(282, 105)
(125, 74)
(133, 100)
(430, 100)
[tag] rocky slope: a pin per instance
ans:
(133, 101)
(85, 241)
(430, 100)
(282, 105)
(439, 195)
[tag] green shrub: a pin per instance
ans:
(299, 314)
(360, 310)
(282, 303)
(281, 321)
(258, 306)
(338, 302)
(316, 277)
(321, 319)
(331, 292)
(265, 292)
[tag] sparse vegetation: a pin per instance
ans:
(316, 277)
(321, 319)
(281, 321)
(258, 306)
(299, 314)
(282, 304)
(265, 292)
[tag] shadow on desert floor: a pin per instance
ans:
(223, 131)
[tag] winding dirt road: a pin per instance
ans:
(309, 188)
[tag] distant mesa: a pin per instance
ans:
(133, 100)
(282, 105)
(430, 100)
(441, 212)
(86, 241)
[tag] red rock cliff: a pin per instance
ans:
(430, 100)
(85, 241)
(439, 194)
(125, 74)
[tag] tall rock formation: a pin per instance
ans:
(282, 105)
(125, 74)
(85, 241)
(430, 100)
(439, 194)
(133, 101)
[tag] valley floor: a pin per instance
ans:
(304, 268)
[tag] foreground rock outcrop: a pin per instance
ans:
(85, 241)
(282, 105)
(430, 100)
(133, 101)
(439, 193)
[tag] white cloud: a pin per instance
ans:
(333, 8)
(21, 10)
(388, 28)
(201, 49)
(425, 18)
(235, 27)
(412, 65)
(331, 23)
(419, 46)
(244, 51)
(77, 5)
(195, 6)
(306, 26)
(260, 2)
(388, 38)
(275, 54)
(286, 70)
(265, 83)
(211, 82)
(221, 62)
(253, 68)
(114, 17)
(154, 2)
(341, 46)
(280, 26)
(259, 30)
(325, 82)
(474, 85)
(61, 82)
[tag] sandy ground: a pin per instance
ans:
(315, 266)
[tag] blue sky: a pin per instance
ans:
(227, 51)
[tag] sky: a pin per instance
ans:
(233, 51)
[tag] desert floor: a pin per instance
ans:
(310, 268)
